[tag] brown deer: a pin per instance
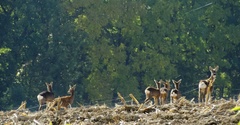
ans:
(164, 92)
(45, 96)
(154, 93)
(206, 86)
(175, 93)
(66, 101)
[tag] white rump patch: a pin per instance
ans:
(163, 92)
(39, 97)
(202, 85)
(173, 94)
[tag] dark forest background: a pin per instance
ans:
(110, 46)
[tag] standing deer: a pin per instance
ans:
(164, 92)
(45, 96)
(66, 101)
(175, 93)
(206, 86)
(154, 93)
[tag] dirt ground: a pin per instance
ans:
(181, 113)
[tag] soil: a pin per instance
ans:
(181, 113)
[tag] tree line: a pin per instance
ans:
(109, 46)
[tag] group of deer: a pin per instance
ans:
(205, 88)
(48, 96)
(161, 93)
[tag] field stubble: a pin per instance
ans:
(182, 112)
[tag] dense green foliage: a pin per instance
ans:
(110, 46)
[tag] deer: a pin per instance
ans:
(205, 86)
(154, 93)
(164, 92)
(45, 96)
(66, 101)
(175, 93)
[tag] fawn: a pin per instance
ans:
(175, 93)
(66, 101)
(206, 86)
(154, 93)
(164, 92)
(45, 96)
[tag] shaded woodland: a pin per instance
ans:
(110, 46)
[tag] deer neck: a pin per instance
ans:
(72, 96)
(167, 87)
(211, 79)
(49, 89)
(177, 86)
(158, 85)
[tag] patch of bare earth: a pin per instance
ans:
(183, 112)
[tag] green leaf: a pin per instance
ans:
(237, 108)
(4, 50)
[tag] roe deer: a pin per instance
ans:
(66, 101)
(45, 96)
(154, 93)
(175, 93)
(164, 92)
(205, 87)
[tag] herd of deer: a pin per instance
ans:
(204, 94)
(205, 88)
(48, 96)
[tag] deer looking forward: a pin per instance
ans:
(45, 96)
(175, 93)
(154, 93)
(206, 86)
(66, 101)
(164, 92)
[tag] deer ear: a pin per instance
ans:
(180, 80)
(216, 68)
(160, 80)
(210, 68)
(173, 81)
(155, 80)
(46, 83)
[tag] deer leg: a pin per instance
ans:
(39, 108)
(163, 101)
(146, 100)
(210, 93)
(160, 100)
(40, 105)
(155, 100)
(199, 96)
(206, 98)
(209, 97)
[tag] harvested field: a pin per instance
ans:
(183, 112)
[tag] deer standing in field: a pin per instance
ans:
(164, 92)
(66, 101)
(206, 86)
(45, 96)
(154, 93)
(175, 93)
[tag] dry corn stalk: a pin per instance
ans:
(121, 98)
(22, 106)
(134, 99)
(55, 102)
